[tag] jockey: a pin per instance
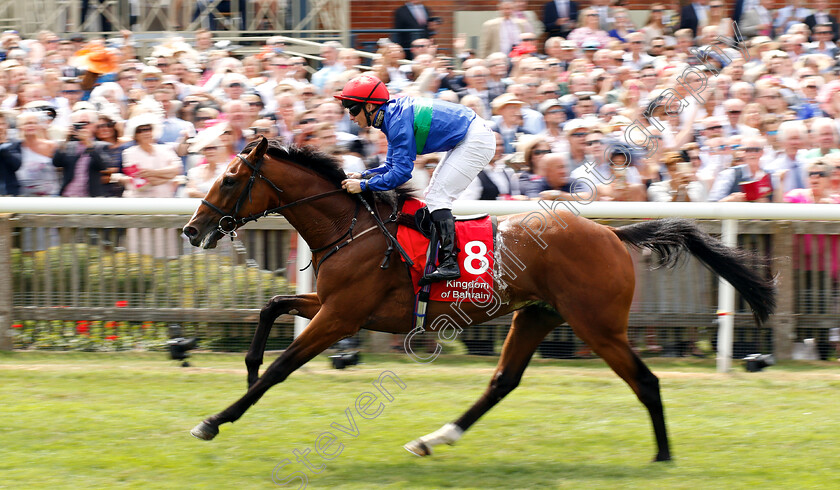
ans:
(416, 126)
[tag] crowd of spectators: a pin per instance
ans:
(89, 118)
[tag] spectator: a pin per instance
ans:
(654, 28)
(330, 64)
(148, 168)
(82, 161)
(694, 16)
(822, 41)
(822, 16)
(589, 30)
(508, 120)
(719, 23)
(680, 183)
(560, 17)
(27, 163)
(636, 58)
(554, 169)
(502, 33)
(792, 135)
(555, 116)
(757, 21)
(532, 177)
(788, 15)
(213, 163)
(623, 26)
(730, 185)
(823, 138)
(108, 134)
(412, 15)
(818, 190)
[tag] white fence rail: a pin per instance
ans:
(783, 221)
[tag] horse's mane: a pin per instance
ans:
(328, 167)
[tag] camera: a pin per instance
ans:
(179, 346)
(76, 127)
(756, 362)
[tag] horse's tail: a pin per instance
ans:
(672, 238)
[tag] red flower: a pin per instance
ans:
(110, 324)
(121, 304)
(111, 337)
(17, 325)
(83, 323)
(82, 329)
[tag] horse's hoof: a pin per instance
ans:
(205, 431)
(661, 458)
(418, 448)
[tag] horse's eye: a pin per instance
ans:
(228, 182)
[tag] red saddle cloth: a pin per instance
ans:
(474, 240)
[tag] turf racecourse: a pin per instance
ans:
(121, 420)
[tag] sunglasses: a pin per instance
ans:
(236, 85)
(752, 149)
(352, 106)
(260, 130)
(279, 65)
(712, 128)
(308, 94)
(579, 134)
(109, 124)
(733, 112)
(255, 104)
(203, 118)
(308, 121)
(209, 148)
(554, 111)
(818, 174)
(143, 129)
(75, 91)
(541, 152)
(593, 142)
(151, 79)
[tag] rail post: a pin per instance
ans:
(726, 304)
(784, 321)
(5, 282)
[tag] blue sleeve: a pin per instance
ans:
(400, 158)
(373, 171)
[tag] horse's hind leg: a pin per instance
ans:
(615, 350)
(529, 328)
(305, 305)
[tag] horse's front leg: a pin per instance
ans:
(326, 328)
(305, 305)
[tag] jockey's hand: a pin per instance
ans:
(353, 186)
(354, 175)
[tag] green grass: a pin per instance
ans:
(121, 420)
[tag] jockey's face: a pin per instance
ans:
(361, 119)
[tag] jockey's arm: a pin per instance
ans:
(399, 162)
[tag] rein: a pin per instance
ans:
(255, 173)
(229, 222)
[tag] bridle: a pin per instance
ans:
(335, 246)
(228, 223)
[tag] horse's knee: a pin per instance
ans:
(501, 385)
(272, 309)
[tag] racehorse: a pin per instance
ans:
(584, 276)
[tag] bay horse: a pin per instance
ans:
(584, 276)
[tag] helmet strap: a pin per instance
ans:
(378, 117)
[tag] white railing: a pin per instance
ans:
(729, 213)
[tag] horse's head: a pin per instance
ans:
(229, 200)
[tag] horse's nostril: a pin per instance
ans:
(190, 231)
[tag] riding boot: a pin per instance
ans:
(448, 256)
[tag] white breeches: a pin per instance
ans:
(461, 165)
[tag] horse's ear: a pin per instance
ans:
(259, 151)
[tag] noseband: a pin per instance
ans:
(228, 223)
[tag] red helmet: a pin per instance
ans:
(365, 88)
